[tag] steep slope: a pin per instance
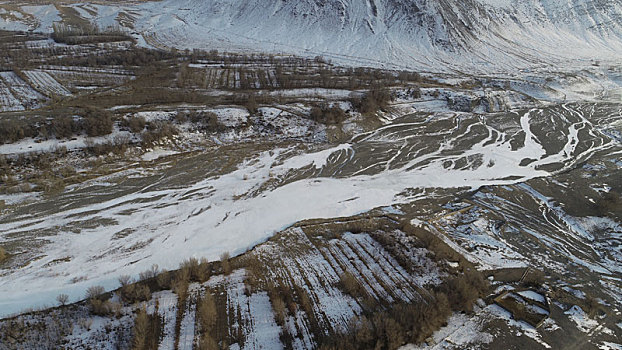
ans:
(482, 36)
(485, 35)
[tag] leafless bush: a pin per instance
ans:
(97, 122)
(12, 130)
(64, 126)
(62, 299)
(95, 292)
(278, 305)
(226, 264)
(393, 327)
(251, 104)
(152, 272)
(463, 290)
(136, 292)
(135, 124)
(100, 307)
(158, 130)
(352, 285)
(164, 280)
(125, 280)
(326, 114)
(140, 330)
(372, 101)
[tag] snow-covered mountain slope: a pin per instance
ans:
(483, 36)
(440, 35)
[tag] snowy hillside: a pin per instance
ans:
(485, 36)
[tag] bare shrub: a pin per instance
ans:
(180, 283)
(125, 280)
(463, 290)
(226, 264)
(97, 122)
(326, 114)
(164, 280)
(392, 327)
(372, 101)
(132, 293)
(203, 271)
(352, 285)
(95, 292)
(136, 124)
(62, 299)
(152, 272)
(278, 305)
(100, 307)
(64, 127)
(87, 33)
(140, 330)
(251, 104)
(207, 313)
(158, 130)
(3, 254)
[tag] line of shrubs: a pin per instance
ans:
(89, 33)
(92, 121)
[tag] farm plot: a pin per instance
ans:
(47, 85)
(8, 102)
(76, 80)
(16, 94)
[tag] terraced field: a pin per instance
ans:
(302, 260)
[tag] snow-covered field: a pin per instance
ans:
(46, 84)
(82, 243)
(16, 94)
(525, 112)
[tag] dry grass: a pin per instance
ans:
(3, 255)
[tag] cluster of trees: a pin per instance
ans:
(206, 121)
(328, 114)
(86, 34)
(158, 130)
(93, 122)
(372, 101)
(390, 327)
